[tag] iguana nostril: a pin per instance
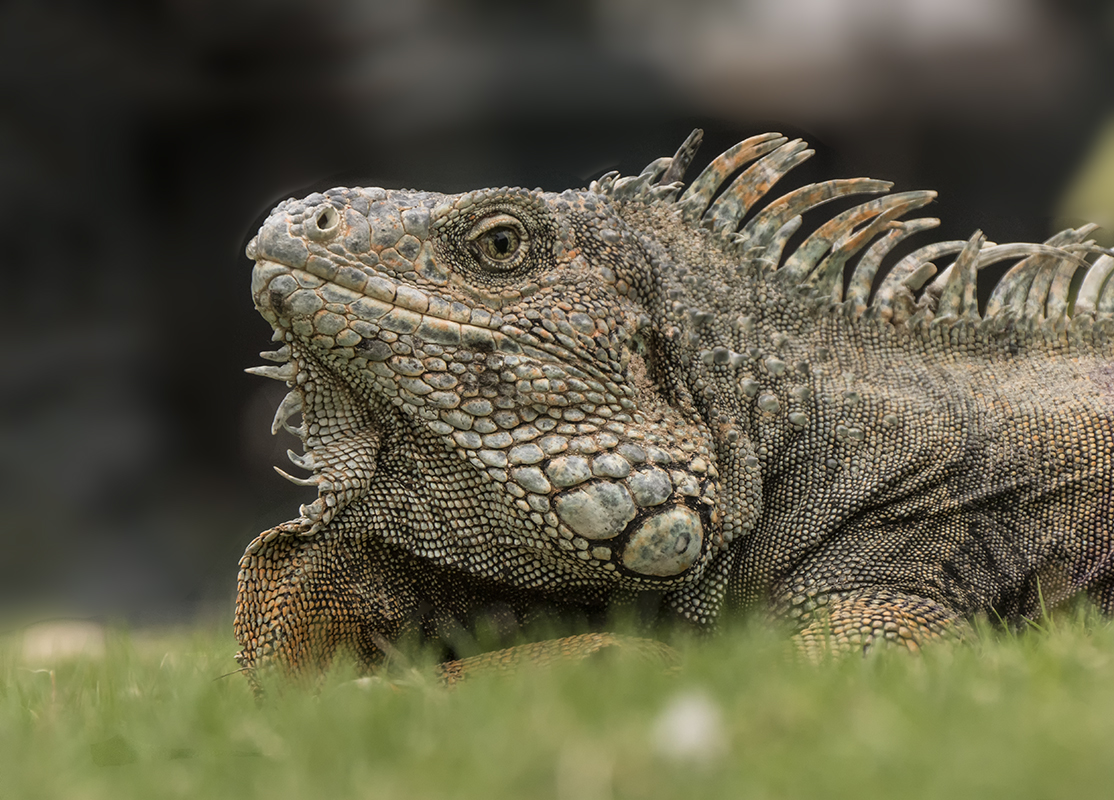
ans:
(324, 223)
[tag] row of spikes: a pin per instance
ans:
(1035, 288)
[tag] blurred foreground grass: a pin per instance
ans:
(1002, 715)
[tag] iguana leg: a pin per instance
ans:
(855, 622)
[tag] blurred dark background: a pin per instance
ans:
(141, 144)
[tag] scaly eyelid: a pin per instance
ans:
(498, 221)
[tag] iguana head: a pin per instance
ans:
(480, 384)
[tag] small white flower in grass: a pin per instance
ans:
(690, 728)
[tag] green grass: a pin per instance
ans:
(1001, 715)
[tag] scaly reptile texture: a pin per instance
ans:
(521, 405)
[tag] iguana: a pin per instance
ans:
(530, 405)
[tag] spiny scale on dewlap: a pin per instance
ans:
(523, 405)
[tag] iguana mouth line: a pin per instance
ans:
(406, 310)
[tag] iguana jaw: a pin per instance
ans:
(343, 418)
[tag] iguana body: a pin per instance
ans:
(523, 405)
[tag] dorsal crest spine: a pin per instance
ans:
(1041, 286)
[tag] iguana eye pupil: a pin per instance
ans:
(499, 244)
(501, 241)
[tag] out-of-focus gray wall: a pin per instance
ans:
(142, 142)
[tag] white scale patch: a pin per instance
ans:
(666, 544)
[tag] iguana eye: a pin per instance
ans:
(500, 243)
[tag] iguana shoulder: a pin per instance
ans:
(520, 404)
